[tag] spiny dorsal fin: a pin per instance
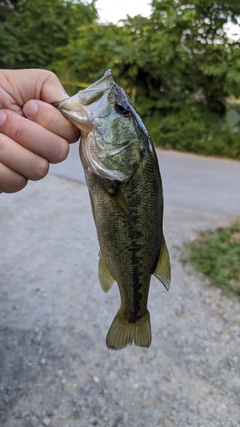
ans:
(105, 278)
(163, 268)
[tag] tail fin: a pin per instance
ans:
(122, 332)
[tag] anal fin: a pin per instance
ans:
(163, 269)
(105, 278)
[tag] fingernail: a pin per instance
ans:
(3, 116)
(30, 108)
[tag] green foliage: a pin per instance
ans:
(182, 95)
(178, 66)
(216, 254)
(197, 131)
(31, 31)
(90, 54)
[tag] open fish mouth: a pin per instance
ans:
(79, 108)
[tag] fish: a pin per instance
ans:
(126, 194)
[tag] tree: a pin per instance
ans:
(180, 51)
(31, 32)
(89, 55)
(7, 6)
(195, 36)
(179, 65)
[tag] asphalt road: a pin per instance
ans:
(205, 184)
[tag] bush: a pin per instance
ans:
(197, 131)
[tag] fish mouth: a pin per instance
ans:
(80, 108)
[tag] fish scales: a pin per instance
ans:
(125, 189)
(133, 244)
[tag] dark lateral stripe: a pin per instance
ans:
(135, 234)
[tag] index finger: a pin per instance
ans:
(19, 86)
(51, 119)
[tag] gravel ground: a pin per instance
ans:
(55, 369)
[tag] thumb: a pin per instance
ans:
(51, 88)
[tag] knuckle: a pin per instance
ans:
(46, 120)
(41, 168)
(18, 133)
(20, 183)
(60, 152)
(51, 75)
(17, 183)
(75, 135)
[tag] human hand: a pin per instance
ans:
(33, 133)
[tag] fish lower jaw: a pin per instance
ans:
(82, 122)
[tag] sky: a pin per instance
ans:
(112, 11)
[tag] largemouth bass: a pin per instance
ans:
(125, 188)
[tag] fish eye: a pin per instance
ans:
(122, 108)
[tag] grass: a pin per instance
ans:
(216, 254)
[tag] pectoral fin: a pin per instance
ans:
(163, 268)
(113, 188)
(105, 278)
(123, 205)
